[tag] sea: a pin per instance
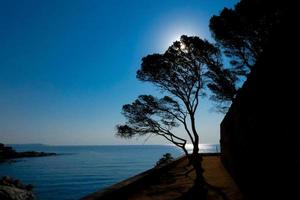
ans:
(80, 170)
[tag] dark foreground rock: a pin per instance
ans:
(13, 189)
(11, 193)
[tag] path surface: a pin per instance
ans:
(173, 184)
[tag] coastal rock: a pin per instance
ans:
(13, 193)
(14, 189)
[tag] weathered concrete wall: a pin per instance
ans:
(259, 139)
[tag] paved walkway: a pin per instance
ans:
(174, 184)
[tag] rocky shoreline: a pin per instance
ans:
(14, 189)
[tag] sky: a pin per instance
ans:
(68, 66)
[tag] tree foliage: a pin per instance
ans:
(150, 115)
(184, 71)
(222, 85)
(242, 32)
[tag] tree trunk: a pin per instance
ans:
(199, 188)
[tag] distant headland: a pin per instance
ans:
(7, 152)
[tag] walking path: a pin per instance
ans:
(174, 183)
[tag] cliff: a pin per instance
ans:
(259, 141)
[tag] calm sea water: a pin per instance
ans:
(80, 170)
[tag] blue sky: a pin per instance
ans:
(68, 66)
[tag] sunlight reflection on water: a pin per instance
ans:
(205, 148)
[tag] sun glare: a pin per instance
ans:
(174, 32)
(182, 46)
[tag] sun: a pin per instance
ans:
(173, 33)
(170, 28)
(182, 46)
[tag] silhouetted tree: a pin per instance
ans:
(223, 86)
(165, 159)
(242, 32)
(183, 71)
